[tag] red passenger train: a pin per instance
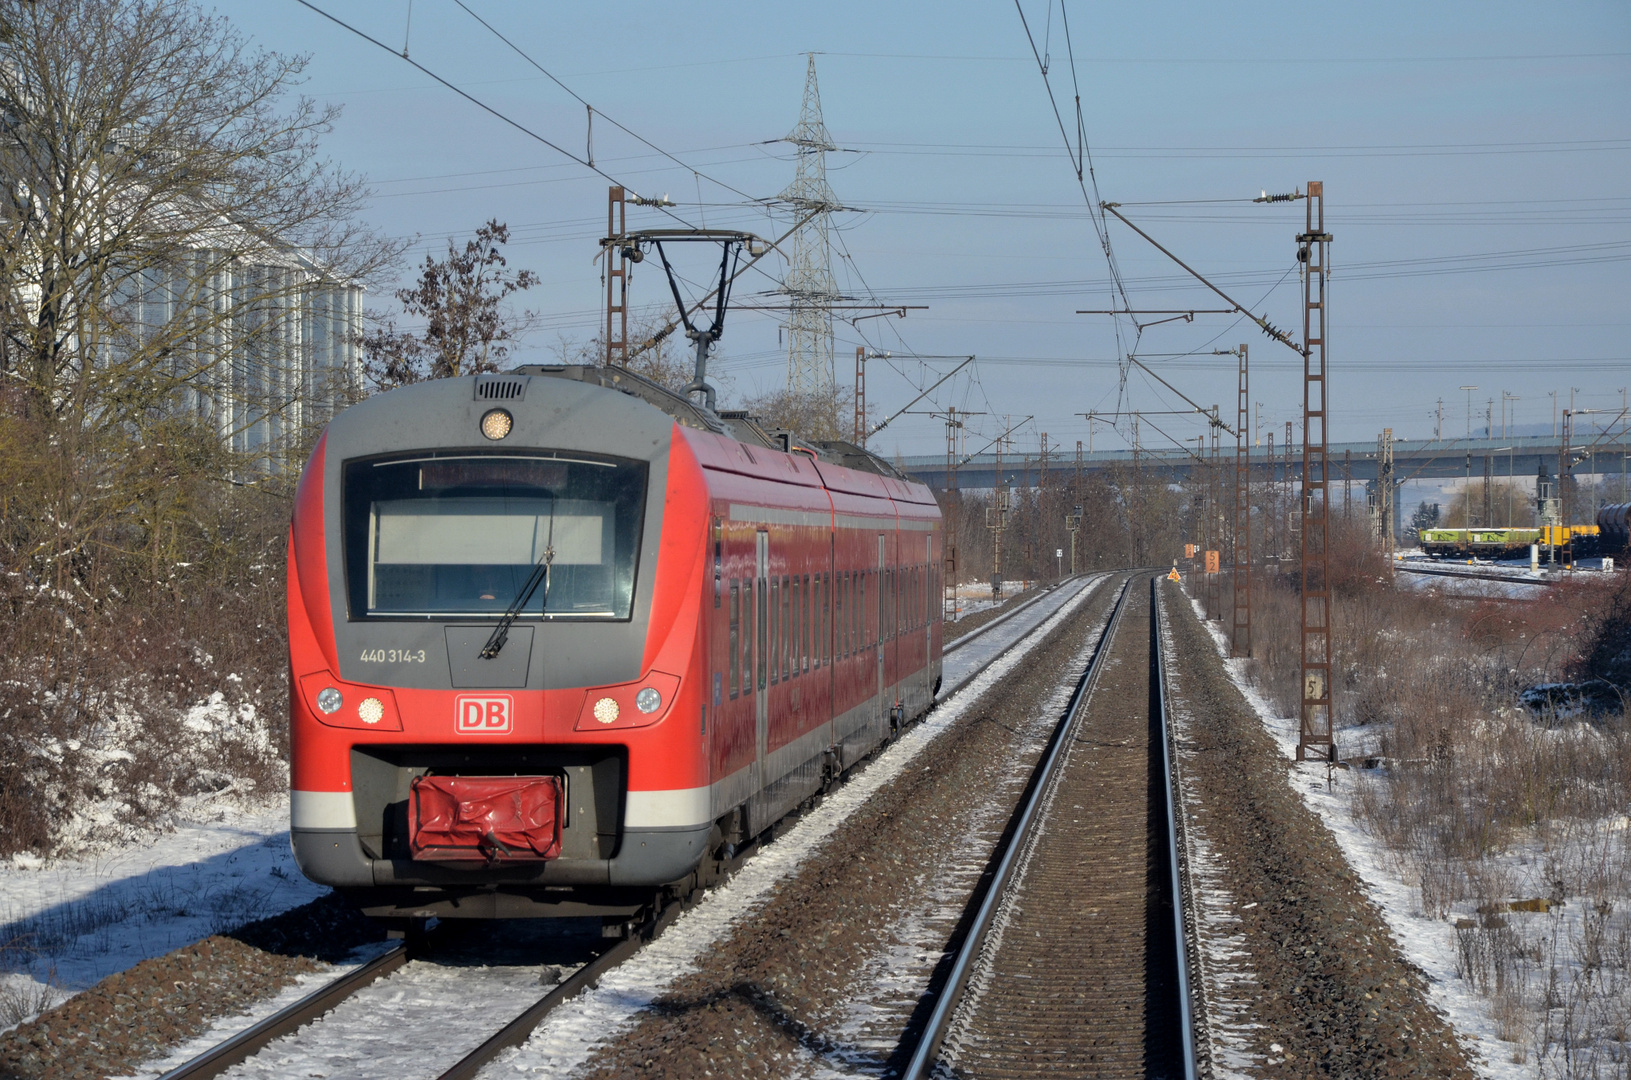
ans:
(557, 635)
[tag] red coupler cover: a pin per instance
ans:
(486, 818)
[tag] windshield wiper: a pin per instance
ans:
(540, 574)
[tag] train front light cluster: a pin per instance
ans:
(331, 703)
(630, 705)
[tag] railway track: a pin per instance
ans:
(1476, 575)
(979, 648)
(1076, 959)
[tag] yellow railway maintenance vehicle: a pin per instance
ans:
(1504, 543)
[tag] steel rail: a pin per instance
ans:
(517, 1031)
(1439, 571)
(296, 1015)
(1053, 756)
(963, 639)
(1177, 862)
(246, 1043)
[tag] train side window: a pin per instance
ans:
(810, 620)
(801, 616)
(891, 581)
(736, 639)
(850, 641)
(719, 566)
(774, 629)
(863, 616)
(797, 625)
(841, 645)
(821, 618)
(787, 624)
(884, 583)
(817, 616)
(761, 631)
(854, 612)
(830, 595)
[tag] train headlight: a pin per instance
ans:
(648, 700)
(606, 710)
(496, 423)
(329, 700)
(371, 711)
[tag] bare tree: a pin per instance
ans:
(163, 206)
(815, 416)
(468, 326)
(658, 358)
(168, 228)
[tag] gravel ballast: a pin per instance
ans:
(143, 1012)
(1302, 973)
(830, 971)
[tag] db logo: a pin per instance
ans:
(483, 715)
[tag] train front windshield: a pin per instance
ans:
(459, 535)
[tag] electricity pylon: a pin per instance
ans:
(810, 287)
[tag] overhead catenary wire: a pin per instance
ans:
(510, 121)
(594, 111)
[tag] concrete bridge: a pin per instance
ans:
(1519, 458)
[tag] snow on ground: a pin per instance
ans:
(975, 596)
(65, 924)
(570, 1034)
(1425, 941)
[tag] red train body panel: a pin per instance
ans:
(726, 623)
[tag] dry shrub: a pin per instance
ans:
(1483, 801)
(141, 658)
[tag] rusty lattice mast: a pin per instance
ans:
(1315, 737)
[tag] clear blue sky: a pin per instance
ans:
(1475, 157)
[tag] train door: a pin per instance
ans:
(761, 655)
(883, 608)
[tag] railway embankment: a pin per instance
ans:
(1489, 833)
(140, 1013)
(1302, 975)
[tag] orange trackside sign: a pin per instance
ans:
(1189, 551)
(1211, 562)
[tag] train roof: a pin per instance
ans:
(735, 424)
